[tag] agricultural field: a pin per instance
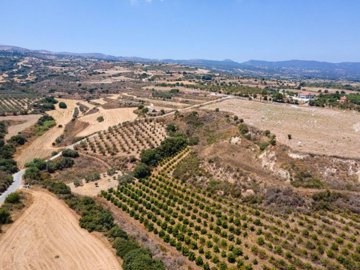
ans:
(13, 105)
(182, 167)
(219, 233)
(48, 236)
(312, 130)
(125, 139)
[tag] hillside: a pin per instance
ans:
(291, 69)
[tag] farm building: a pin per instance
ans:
(305, 96)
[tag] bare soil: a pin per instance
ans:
(42, 146)
(92, 189)
(48, 236)
(19, 123)
(111, 117)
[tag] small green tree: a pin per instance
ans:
(62, 105)
(142, 170)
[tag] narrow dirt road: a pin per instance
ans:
(48, 236)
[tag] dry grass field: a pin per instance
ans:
(111, 117)
(19, 123)
(92, 189)
(47, 236)
(42, 146)
(314, 130)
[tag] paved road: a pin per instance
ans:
(17, 184)
(14, 186)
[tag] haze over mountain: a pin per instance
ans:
(292, 69)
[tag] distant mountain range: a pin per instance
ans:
(292, 69)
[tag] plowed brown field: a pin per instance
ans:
(48, 236)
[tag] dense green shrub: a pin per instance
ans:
(70, 153)
(167, 148)
(63, 163)
(32, 174)
(124, 246)
(142, 170)
(62, 105)
(13, 198)
(57, 188)
(5, 181)
(5, 216)
(44, 119)
(116, 232)
(37, 166)
(38, 163)
(17, 140)
(140, 259)
(46, 104)
(7, 164)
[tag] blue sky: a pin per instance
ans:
(327, 30)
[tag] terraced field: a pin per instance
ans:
(128, 138)
(219, 233)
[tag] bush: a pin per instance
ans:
(116, 232)
(5, 216)
(140, 259)
(92, 177)
(57, 188)
(142, 170)
(62, 105)
(100, 119)
(167, 148)
(8, 166)
(18, 140)
(70, 153)
(243, 129)
(125, 179)
(32, 174)
(124, 246)
(64, 162)
(5, 181)
(13, 198)
(38, 163)
(44, 119)
(171, 128)
(111, 171)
